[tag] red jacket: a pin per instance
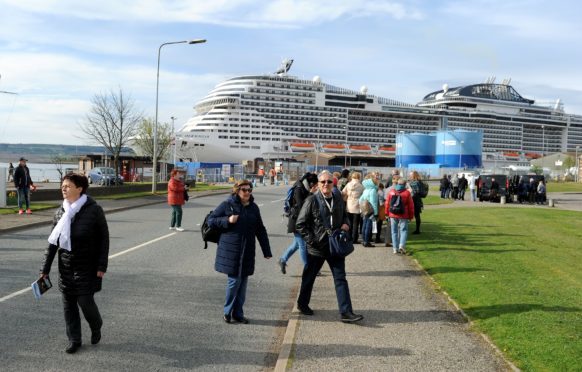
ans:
(175, 192)
(408, 205)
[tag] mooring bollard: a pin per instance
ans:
(551, 203)
(502, 200)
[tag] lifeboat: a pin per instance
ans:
(360, 148)
(532, 155)
(302, 147)
(511, 155)
(386, 149)
(333, 147)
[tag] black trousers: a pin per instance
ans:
(338, 270)
(354, 219)
(87, 303)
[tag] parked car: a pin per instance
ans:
(484, 187)
(104, 176)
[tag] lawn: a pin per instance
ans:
(564, 187)
(517, 273)
(33, 207)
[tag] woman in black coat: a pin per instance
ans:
(81, 237)
(239, 220)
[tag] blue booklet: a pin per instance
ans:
(40, 286)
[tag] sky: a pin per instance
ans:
(56, 55)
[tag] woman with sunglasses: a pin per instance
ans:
(240, 221)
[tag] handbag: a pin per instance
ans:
(340, 242)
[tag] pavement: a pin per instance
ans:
(409, 324)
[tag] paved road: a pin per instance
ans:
(161, 303)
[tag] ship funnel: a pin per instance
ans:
(364, 89)
(317, 80)
(445, 88)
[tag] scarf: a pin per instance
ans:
(61, 234)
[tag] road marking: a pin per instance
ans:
(22, 291)
(278, 200)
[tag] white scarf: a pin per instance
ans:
(61, 234)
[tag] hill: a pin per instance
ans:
(42, 153)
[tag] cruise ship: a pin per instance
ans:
(278, 116)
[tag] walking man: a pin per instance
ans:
(311, 227)
(23, 184)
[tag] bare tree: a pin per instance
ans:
(112, 122)
(144, 138)
(57, 160)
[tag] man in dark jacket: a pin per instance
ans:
(311, 227)
(444, 186)
(301, 190)
(23, 184)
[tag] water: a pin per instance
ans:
(41, 172)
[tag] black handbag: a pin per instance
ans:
(340, 242)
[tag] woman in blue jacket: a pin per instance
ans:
(370, 195)
(239, 220)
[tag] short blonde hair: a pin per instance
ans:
(356, 175)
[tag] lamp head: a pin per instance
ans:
(196, 41)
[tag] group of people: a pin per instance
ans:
(530, 191)
(322, 203)
(454, 187)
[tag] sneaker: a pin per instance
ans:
(350, 317)
(172, 228)
(283, 266)
(28, 211)
(305, 310)
(369, 245)
(179, 229)
(241, 319)
(20, 211)
(394, 251)
(402, 250)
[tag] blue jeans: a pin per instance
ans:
(367, 229)
(298, 243)
(236, 291)
(473, 195)
(23, 197)
(338, 270)
(399, 230)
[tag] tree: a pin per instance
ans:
(144, 138)
(569, 162)
(112, 122)
(58, 160)
(537, 169)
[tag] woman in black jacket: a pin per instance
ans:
(81, 237)
(239, 220)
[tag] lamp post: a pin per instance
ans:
(543, 142)
(155, 152)
(346, 149)
(577, 165)
(460, 154)
(317, 145)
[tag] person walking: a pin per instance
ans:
(24, 185)
(261, 174)
(351, 194)
(400, 198)
(370, 214)
(80, 236)
(239, 220)
(455, 187)
(541, 193)
(471, 180)
(310, 226)
(444, 186)
(301, 190)
(462, 187)
(415, 187)
(494, 190)
(272, 175)
(344, 179)
(10, 172)
(176, 193)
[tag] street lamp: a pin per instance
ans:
(577, 165)
(155, 152)
(346, 148)
(317, 145)
(543, 142)
(460, 154)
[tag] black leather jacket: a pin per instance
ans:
(310, 222)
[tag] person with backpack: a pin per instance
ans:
(239, 220)
(323, 211)
(400, 209)
(381, 213)
(417, 189)
(370, 214)
(344, 179)
(300, 191)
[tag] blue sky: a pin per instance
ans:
(58, 54)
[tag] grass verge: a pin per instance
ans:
(517, 273)
(33, 206)
(564, 187)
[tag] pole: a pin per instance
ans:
(174, 139)
(155, 150)
(346, 149)
(460, 153)
(543, 143)
(317, 146)
(577, 166)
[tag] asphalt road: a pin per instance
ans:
(161, 302)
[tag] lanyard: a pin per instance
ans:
(330, 207)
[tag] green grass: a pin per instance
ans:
(33, 206)
(435, 199)
(517, 273)
(564, 187)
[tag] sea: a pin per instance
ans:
(42, 172)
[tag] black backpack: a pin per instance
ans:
(209, 234)
(396, 204)
(423, 189)
(289, 201)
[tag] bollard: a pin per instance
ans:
(502, 200)
(551, 203)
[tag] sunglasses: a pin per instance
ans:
(326, 182)
(246, 189)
